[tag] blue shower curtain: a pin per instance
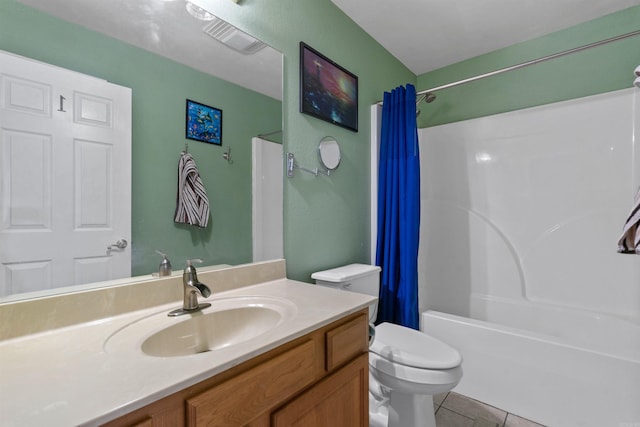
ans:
(399, 209)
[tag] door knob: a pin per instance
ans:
(120, 244)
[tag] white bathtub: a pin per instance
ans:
(553, 381)
(520, 217)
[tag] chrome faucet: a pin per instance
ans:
(192, 287)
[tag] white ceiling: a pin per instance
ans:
(423, 34)
(429, 34)
(166, 28)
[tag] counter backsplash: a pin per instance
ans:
(36, 315)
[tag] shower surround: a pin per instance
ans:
(521, 214)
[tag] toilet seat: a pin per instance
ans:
(393, 372)
(413, 349)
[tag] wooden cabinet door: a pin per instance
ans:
(240, 400)
(340, 400)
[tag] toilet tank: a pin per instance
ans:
(360, 278)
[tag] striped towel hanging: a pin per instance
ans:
(629, 243)
(192, 204)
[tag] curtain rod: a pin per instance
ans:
(527, 63)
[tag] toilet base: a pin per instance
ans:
(378, 413)
(411, 410)
(402, 410)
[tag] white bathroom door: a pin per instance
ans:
(65, 193)
(267, 200)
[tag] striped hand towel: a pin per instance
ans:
(192, 204)
(629, 243)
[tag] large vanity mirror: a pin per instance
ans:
(166, 55)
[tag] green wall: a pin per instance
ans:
(601, 69)
(326, 218)
(159, 89)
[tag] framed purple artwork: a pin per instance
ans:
(327, 91)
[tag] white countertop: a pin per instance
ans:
(64, 377)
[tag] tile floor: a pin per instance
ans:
(455, 410)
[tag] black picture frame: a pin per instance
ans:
(327, 91)
(203, 123)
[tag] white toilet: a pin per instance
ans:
(406, 367)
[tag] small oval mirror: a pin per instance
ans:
(329, 152)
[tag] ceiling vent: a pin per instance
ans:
(234, 38)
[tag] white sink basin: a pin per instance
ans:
(228, 322)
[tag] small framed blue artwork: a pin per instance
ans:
(204, 123)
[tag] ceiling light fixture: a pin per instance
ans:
(198, 12)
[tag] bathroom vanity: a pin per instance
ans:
(308, 365)
(320, 379)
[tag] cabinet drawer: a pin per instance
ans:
(347, 341)
(239, 400)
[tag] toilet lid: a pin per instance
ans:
(409, 347)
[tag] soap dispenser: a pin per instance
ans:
(165, 265)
